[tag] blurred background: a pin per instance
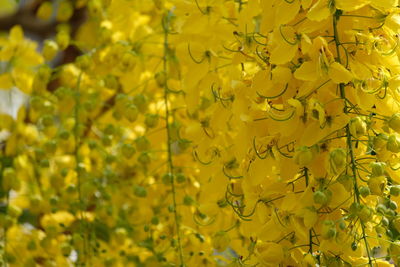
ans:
(40, 21)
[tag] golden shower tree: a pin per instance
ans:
(200, 133)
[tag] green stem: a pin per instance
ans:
(348, 134)
(83, 227)
(310, 231)
(5, 260)
(165, 24)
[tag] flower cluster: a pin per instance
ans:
(204, 133)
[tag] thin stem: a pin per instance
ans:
(336, 16)
(310, 234)
(169, 133)
(83, 226)
(5, 260)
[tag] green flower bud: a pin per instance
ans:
(131, 112)
(188, 200)
(84, 62)
(161, 78)
(167, 178)
(155, 220)
(358, 127)
(396, 223)
(303, 156)
(140, 100)
(377, 168)
(393, 143)
(142, 143)
(328, 230)
(395, 190)
(127, 150)
(380, 141)
(364, 191)
(354, 246)
(180, 178)
(66, 249)
(385, 221)
(221, 241)
(394, 122)
(392, 205)
(140, 191)
(151, 120)
(144, 158)
(347, 182)
(365, 213)
(320, 198)
(380, 208)
(337, 160)
(377, 185)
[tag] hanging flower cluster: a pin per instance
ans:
(204, 133)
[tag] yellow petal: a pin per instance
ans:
(307, 71)
(306, 3)
(287, 11)
(339, 74)
(5, 81)
(283, 54)
(385, 3)
(351, 5)
(319, 11)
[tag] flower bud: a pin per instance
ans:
(346, 181)
(140, 191)
(392, 205)
(120, 235)
(10, 179)
(151, 120)
(393, 144)
(380, 141)
(377, 185)
(221, 241)
(127, 150)
(395, 190)
(394, 122)
(161, 78)
(365, 213)
(328, 230)
(309, 260)
(140, 100)
(127, 62)
(364, 191)
(320, 198)
(144, 158)
(358, 127)
(396, 223)
(65, 11)
(45, 10)
(380, 208)
(84, 62)
(66, 249)
(131, 112)
(377, 168)
(50, 49)
(337, 160)
(63, 39)
(303, 156)
(142, 143)
(394, 248)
